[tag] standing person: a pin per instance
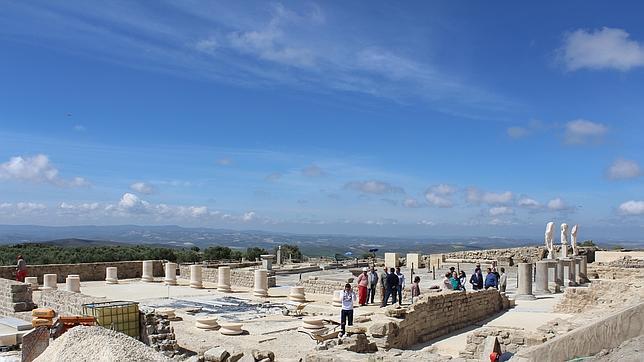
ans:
(382, 282)
(392, 287)
(477, 279)
(447, 283)
(462, 278)
(490, 279)
(401, 284)
(503, 280)
(346, 315)
(415, 288)
(21, 269)
(363, 284)
(373, 282)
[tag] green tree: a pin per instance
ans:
(236, 254)
(587, 243)
(292, 250)
(254, 253)
(217, 253)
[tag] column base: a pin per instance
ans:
(525, 297)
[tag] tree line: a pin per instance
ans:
(34, 253)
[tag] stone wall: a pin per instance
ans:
(510, 340)
(604, 294)
(238, 277)
(15, 297)
(64, 302)
(87, 271)
(157, 333)
(437, 315)
(508, 256)
(316, 286)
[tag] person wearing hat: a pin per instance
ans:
(21, 269)
(363, 284)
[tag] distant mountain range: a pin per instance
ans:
(177, 237)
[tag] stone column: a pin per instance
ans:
(49, 281)
(267, 261)
(196, 281)
(559, 274)
(148, 275)
(261, 283)
(524, 275)
(297, 294)
(541, 286)
(279, 255)
(72, 283)
(33, 281)
(170, 274)
(570, 272)
(223, 279)
(583, 269)
(111, 275)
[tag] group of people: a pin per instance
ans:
(391, 284)
(493, 279)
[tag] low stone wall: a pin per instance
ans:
(238, 277)
(316, 286)
(590, 339)
(605, 294)
(608, 256)
(606, 271)
(87, 271)
(510, 340)
(437, 315)
(508, 256)
(157, 333)
(15, 297)
(64, 302)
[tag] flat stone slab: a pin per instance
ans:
(16, 323)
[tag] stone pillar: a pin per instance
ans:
(267, 261)
(524, 275)
(279, 255)
(559, 273)
(571, 278)
(392, 260)
(170, 274)
(223, 279)
(148, 275)
(297, 294)
(196, 281)
(111, 275)
(261, 283)
(583, 269)
(49, 281)
(541, 286)
(413, 259)
(72, 283)
(33, 281)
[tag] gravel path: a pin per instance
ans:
(97, 344)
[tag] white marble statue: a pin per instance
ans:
(573, 240)
(564, 240)
(550, 230)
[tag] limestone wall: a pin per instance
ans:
(316, 286)
(587, 340)
(238, 277)
(510, 340)
(608, 256)
(14, 297)
(87, 271)
(437, 315)
(64, 302)
(510, 256)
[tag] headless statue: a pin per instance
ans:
(550, 229)
(564, 240)
(573, 240)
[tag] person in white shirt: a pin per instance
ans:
(401, 284)
(348, 299)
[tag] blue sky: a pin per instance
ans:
(379, 118)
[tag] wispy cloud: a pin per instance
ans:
(37, 168)
(605, 48)
(632, 207)
(622, 169)
(373, 187)
(142, 187)
(581, 131)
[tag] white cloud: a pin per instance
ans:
(557, 204)
(623, 169)
(632, 207)
(528, 203)
(206, 45)
(426, 222)
(30, 206)
(373, 187)
(517, 132)
(79, 182)
(272, 177)
(313, 171)
(249, 216)
(79, 207)
(36, 168)
(476, 196)
(411, 203)
(131, 202)
(440, 195)
(142, 187)
(606, 48)
(224, 161)
(582, 131)
(501, 210)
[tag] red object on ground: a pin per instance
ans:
(362, 295)
(20, 275)
(494, 357)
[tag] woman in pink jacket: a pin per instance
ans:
(363, 283)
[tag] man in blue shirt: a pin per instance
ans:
(491, 281)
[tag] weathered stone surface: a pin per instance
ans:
(396, 312)
(217, 354)
(262, 355)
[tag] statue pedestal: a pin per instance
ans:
(524, 275)
(569, 272)
(583, 269)
(541, 281)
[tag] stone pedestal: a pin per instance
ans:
(49, 281)
(564, 251)
(312, 323)
(33, 281)
(231, 329)
(111, 275)
(148, 274)
(413, 259)
(583, 269)
(170, 274)
(208, 322)
(72, 283)
(196, 281)
(524, 276)
(559, 274)
(337, 298)
(392, 260)
(541, 281)
(297, 294)
(261, 283)
(279, 255)
(223, 279)
(267, 261)
(569, 273)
